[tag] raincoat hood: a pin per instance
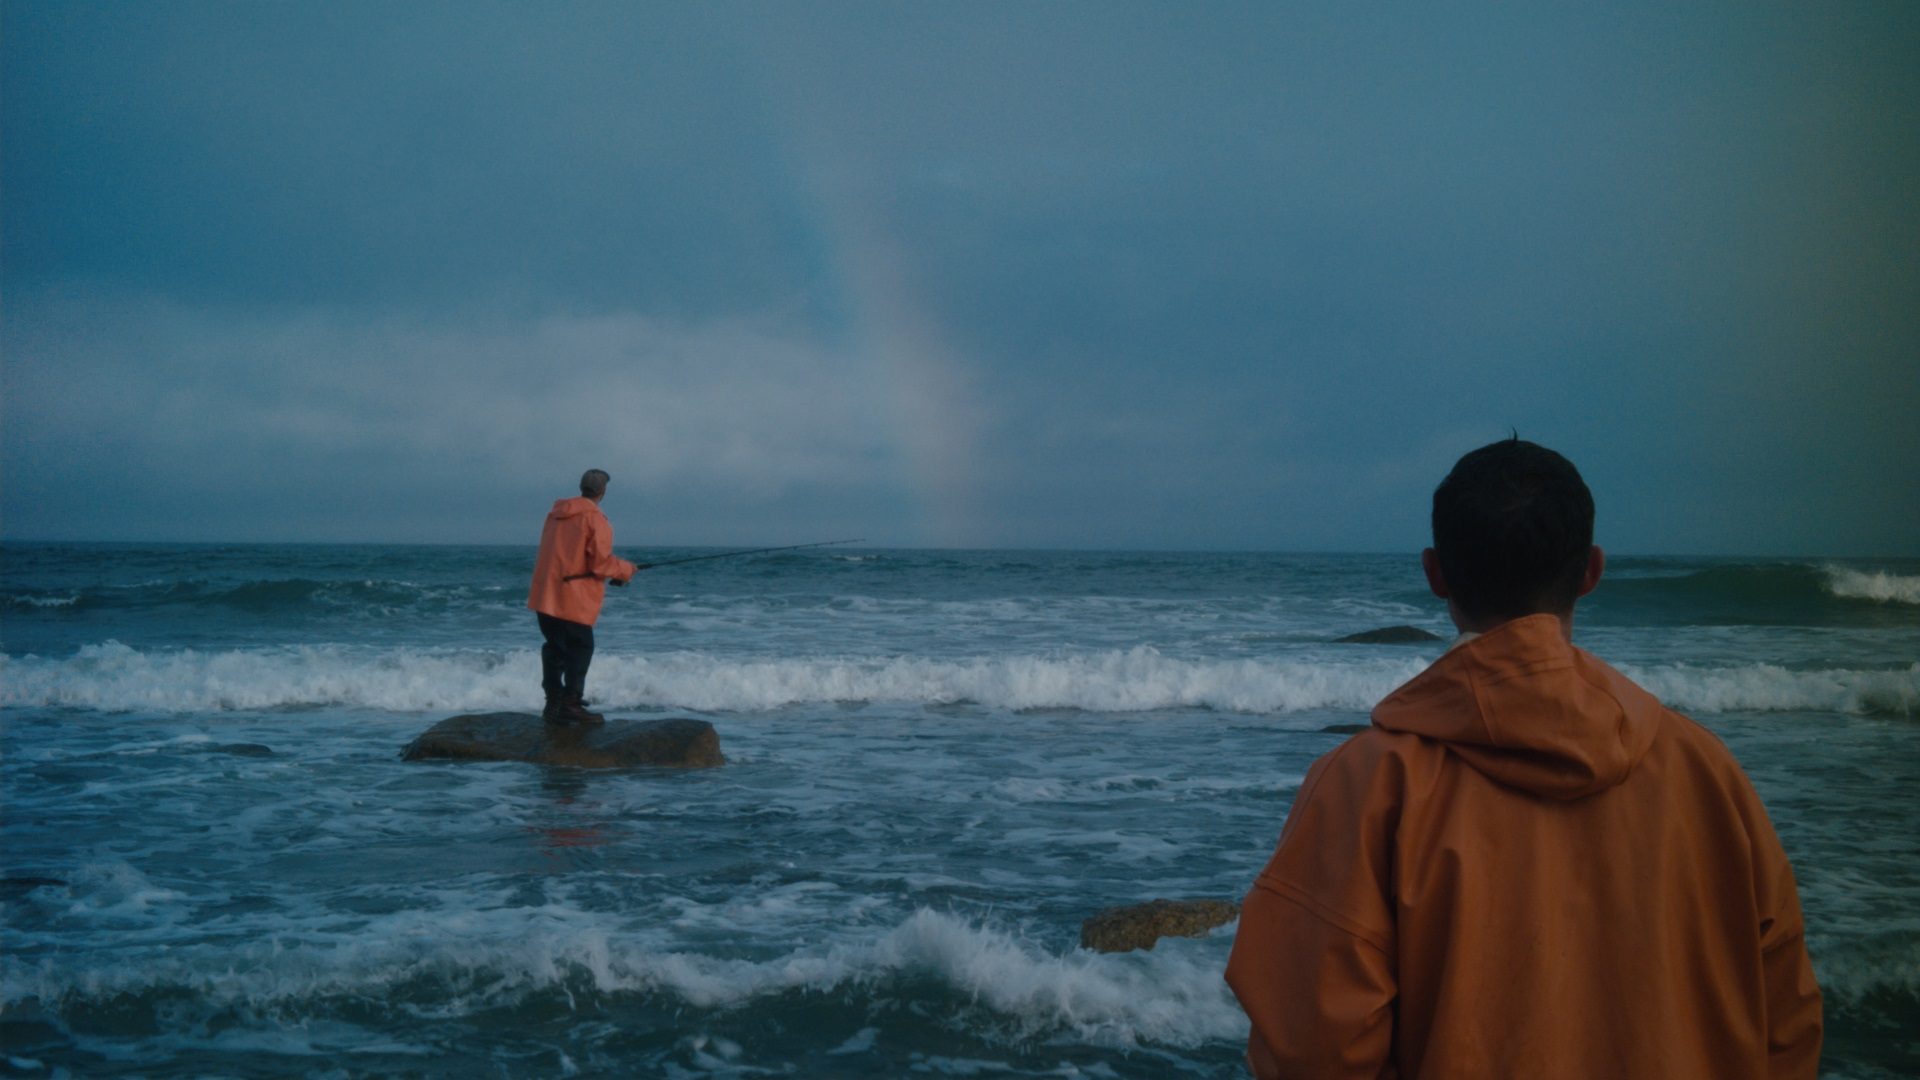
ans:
(1526, 867)
(1522, 706)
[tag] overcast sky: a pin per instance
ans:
(1100, 275)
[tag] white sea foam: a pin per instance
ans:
(43, 601)
(1057, 789)
(1876, 585)
(1171, 996)
(1767, 688)
(858, 1043)
(114, 677)
(1890, 965)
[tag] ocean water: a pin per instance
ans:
(940, 763)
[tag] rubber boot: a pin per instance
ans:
(556, 711)
(575, 708)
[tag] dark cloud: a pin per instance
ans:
(1059, 274)
(370, 155)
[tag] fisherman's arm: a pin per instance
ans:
(601, 561)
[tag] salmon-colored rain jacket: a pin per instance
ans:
(577, 539)
(1527, 867)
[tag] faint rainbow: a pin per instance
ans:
(923, 393)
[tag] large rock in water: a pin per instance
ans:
(506, 736)
(1388, 635)
(1139, 926)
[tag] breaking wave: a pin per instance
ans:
(503, 957)
(507, 957)
(1767, 688)
(113, 677)
(1760, 594)
(1886, 963)
(1877, 585)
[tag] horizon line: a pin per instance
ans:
(928, 548)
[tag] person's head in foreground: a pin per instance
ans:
(1526, 865)
(593, 484)
(1512, 536)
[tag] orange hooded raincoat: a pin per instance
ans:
(576, 543)
(1527, 867)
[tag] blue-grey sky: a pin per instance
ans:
(1060, 274)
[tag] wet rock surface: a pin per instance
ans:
(239, 749)
(1139, 926)
(1389, 635)
(677, 743)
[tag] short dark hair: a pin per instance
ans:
(594, 482)
(1512, 525)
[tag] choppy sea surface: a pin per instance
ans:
(215, 863)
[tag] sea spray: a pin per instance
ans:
(1877, 585)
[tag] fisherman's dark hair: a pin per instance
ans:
(594, 482)
(1512, 525)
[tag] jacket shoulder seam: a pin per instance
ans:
(1318, 771)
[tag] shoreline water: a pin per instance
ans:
(939, 764)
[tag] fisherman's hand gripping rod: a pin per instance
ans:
(720, 555)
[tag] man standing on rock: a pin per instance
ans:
(1527, 866)
(576, 560)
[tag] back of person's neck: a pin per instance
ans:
(1471, 626)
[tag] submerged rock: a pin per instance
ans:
(1388, 635)
(239, 749)
(504, 736)
(1345, 729)
(1139, 926)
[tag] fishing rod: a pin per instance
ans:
(725, 555)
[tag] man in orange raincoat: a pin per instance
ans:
(569, 574)
(1526, 866)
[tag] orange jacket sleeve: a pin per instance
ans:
(1793, 1012)
(1794, 1020)
(1312, 962)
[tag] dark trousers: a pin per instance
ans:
(565, 656)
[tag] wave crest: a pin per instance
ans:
(1768, 688)
(274, 596)
(115, 677)
(1875, 585)
(1172, 996)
